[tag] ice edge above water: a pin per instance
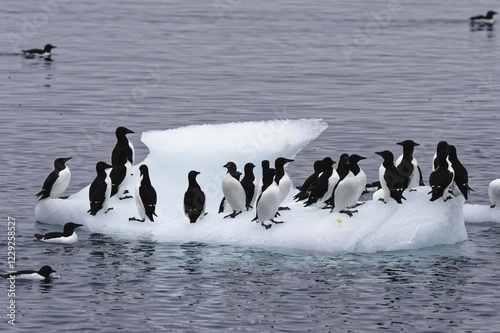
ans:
(206, 148)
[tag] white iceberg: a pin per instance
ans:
(173, 153)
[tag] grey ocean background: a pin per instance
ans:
(377, 72)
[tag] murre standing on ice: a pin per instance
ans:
(122, 146)
(145, 197)
(194, 198)
(45, 53)
(42, 274)
(442, 145)
(324, 185)
(100, 189)
(57, 181)
(68, 236)
(484, 19)
(346, 188)
(461, 176)
(282, 179)
(494, 192)
(233, 190)
(120, 174)
(269, 200)
(391, 180)
(408, 165)
(312, 179)
(248, 183)
(441, 179)
(360, 177)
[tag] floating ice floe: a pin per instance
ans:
(173, 153)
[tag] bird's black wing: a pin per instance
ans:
(47, 185)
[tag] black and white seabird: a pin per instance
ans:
(346, 188)
(408, 165)
(145, 197)
(68, 236)
(323, 188)
(265, 166)
(305, 189)
(194, 199)
(120, 174)
(441, 179)
(57, 181)
(442, 145)
(494, 192)
(269, 200)
(233, 190)
(45, 53)
(248, 183)
(391, 180)
(42, 274)
(100, 189)
(484, 19)
(359, 175)
(282, 178)
(461, 177)
(122, 146)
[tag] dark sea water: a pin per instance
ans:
(377, 72)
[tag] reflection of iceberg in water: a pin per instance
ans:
(206, 148)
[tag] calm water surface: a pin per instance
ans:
(377, 72)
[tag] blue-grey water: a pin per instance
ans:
(377, 72)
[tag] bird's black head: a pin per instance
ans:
(408, 143)
(144, 169)
(59, 163)
(48, 48)
(122, 131)
(442, 145)
(230, 166)
(70, 226)
(101, 166)
(386, 155)
(490, 14)
(192, 174)
(355, 158)
(45, 271)
(281, 161)
(327, 162)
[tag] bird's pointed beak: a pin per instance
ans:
(67, 159)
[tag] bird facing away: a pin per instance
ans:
(68, 236)
(100, 189)
(408, 165)
(391, 180)
(122, 146)
(57, 181)
(145, 197)
(248, 183)
(324, 185)
(306, 186)
(461, 177)
(233, 190)
(42, 274)
(120, 174)
(46, 52)
(441, 179)
(194, 199)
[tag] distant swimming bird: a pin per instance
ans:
(306, 186)
(482, 19)
(68, 236)
(233, 190)
(408, 165)
(359, 175)
(145, 196)
(441, 179)
(122, 146)
(461, 177)
(324, 185)
(120, 175)
(100, 189)
(268, 202)
(391, 180)
(346, 188)
(442, 145)
(45, 53)
(282, 178)
(42, 274)
(248, 183)
(494, 192)
(57, 181)
(194, 199)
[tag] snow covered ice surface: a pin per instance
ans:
(173, 153)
